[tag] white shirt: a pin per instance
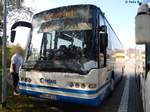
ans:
(17, 60)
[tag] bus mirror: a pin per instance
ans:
(29, 52)
(104, 40)
(12, 36)
(18, 24)
(142, 28)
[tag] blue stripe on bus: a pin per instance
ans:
(93, 102)
(64, 89)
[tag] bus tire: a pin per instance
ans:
(112, 85)
(112, 81)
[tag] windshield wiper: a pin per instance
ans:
(49, 68)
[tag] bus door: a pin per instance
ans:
(101, 49)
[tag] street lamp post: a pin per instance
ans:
(4, 56)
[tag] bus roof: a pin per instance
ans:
(67, 7)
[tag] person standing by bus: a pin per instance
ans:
(16, 62)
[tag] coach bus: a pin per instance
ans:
(70, 55)
(142, 32)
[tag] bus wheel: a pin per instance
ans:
(112, 85)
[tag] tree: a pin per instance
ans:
(11, 50)
(14, 3)
(0, 52)
(16, 11)
(0, 41)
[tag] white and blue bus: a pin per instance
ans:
(71, 55)
(142, 68)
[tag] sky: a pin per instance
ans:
(120, 15)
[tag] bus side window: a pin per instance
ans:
(147, 58)
(101, 60)
(103, 47)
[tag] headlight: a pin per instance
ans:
(92, 85)
(77, 85)
(71, 84)
(22, 78)
(83, 85)
(42, 80)
(28, 80)
(25, 79)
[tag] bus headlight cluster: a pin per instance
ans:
(42, 80)
(92, 86)
(25, 79)
(82, 85)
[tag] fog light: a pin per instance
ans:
(92, 86)
(29, 80)
(83, 85)
(22, 78)
(42, 80)
(26, 79)
(71, 84)
(77, 85)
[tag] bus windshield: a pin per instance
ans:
(62, 41)
(64, 51)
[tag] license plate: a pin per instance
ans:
(49, 96)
